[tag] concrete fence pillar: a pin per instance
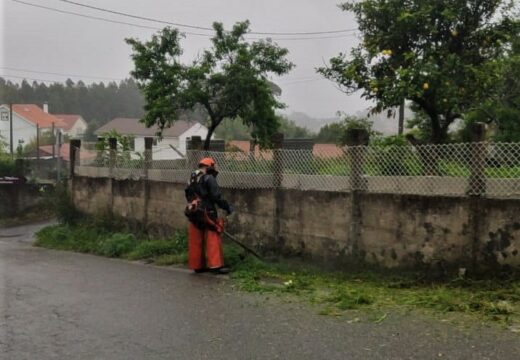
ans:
(112, 153)
(148, 159)
(357, 140)
(74, 152)
(477, 179)
(193, 157)
(277, 141)
(148, 155)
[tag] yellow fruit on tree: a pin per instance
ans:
(426, 86)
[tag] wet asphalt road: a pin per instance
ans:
(61, 305)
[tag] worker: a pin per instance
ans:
(205, 227)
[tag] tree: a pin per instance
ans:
(336, 133)
(293, 131)
(438, 54)
(330, 133)
(233, 129)
(229, 81)
(95, 101)
(502, 108)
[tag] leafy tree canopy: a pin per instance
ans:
(229, 81)
(502, 109)
(234, 129)
(439, 54)
(336, 133)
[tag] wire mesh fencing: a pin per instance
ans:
(462, 169)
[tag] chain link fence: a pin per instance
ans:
(483, 169)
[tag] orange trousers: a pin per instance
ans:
(204, 249)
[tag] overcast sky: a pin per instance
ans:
(46, 41)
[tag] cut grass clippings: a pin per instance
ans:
(335, 293)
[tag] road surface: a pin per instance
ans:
(62, 305)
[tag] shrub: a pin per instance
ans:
(117, 245)
(153, 248)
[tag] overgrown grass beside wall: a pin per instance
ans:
(335, 294)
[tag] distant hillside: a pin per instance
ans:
(313, 124)
(383, 124)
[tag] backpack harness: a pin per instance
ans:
(194, 210)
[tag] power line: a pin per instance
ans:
(29, 78)
(59, 74)
(302, 81)
(201, 27)
(157, 28)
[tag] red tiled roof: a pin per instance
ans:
(128, 126)
(46, 150)
(68, 120)
(319, 150)
(34, 114)
(327, 150)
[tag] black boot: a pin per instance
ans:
(200, 271)
(220, 271)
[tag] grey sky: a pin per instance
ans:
(41, 40)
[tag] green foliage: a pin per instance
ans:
(440, 54)
(156, 248)
(339, 293)
(96, 101)
(236, 130)
(330, 133)
(117, 245)
(229, 81)
(337, 133)
(60, 200)
(124, 142)
(502, 109)
(292, 131)
(233, 129)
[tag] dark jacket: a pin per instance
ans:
(208, 191)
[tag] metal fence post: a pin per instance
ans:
(112, 145)
(477, 179)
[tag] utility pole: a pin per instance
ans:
(401, 118)
(53, 141)
(58, 159)
(38, 149)
(11, 129)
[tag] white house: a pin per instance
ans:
(26, 119)
(174, 139)
(73, 125)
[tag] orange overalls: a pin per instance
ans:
(205, 229)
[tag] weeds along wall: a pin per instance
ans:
(333, 227)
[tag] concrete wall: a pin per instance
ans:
(16, 198)
(391, 231)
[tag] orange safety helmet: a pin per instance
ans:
(209, 162)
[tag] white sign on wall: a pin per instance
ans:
(5, 116)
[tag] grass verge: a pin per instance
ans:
(334, 293)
